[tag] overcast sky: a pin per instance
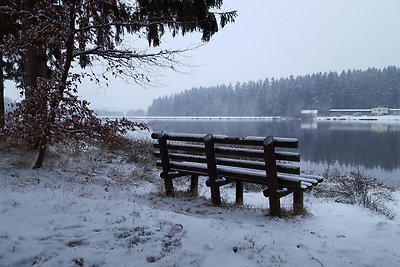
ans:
(271, 38)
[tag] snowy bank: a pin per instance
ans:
(365, 119)
(86, 216)
(182, 118)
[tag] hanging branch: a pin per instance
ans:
(55, 35)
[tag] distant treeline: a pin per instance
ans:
(287, 96)
(129, 113)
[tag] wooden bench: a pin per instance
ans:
(258, 160)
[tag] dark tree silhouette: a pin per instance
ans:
(288, 96)
(55, 38)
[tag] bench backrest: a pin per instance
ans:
(270, 154)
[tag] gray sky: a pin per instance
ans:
(271, 38)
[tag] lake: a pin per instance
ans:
(372, 147)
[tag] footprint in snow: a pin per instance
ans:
(382, 226)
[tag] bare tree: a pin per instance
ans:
(58, 40)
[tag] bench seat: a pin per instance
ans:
(302, 181)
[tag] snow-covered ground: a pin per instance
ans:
(94, 209)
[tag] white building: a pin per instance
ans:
(379, 111)
(309, 112)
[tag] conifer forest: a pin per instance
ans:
(287, 96)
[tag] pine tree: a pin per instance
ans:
(52, 35)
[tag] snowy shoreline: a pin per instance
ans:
(94, 209)
(161, 118)
(361, 119)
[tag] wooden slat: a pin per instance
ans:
(199, 169)
(303, 178)
(286, 142)
(256, 153)
(233, 151)
(186, 157)
(183, 147)
(315, 177)
(223, 139)
(256, 165)
(227, 140)
(290, 169)
(185, 137)
(258, 177)
(278, 141)
(287, 156)
(237, 174)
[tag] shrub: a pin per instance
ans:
(356, 188)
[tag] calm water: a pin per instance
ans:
(372, 147)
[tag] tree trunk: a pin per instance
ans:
(2, 109)
(35, 66)
(41, 154)
(51, 115)
(3, 31)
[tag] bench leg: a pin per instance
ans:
(274, 204)
(298, 200)
(194, 182)
(215, 195)
(239, 193)
(169, 186)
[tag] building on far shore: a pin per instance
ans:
(395, 111)
(309, 113)
(350, 111)
(376, 111)
(379, 111)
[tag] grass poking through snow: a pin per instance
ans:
(356, 188)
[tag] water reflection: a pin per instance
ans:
(371, 146)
